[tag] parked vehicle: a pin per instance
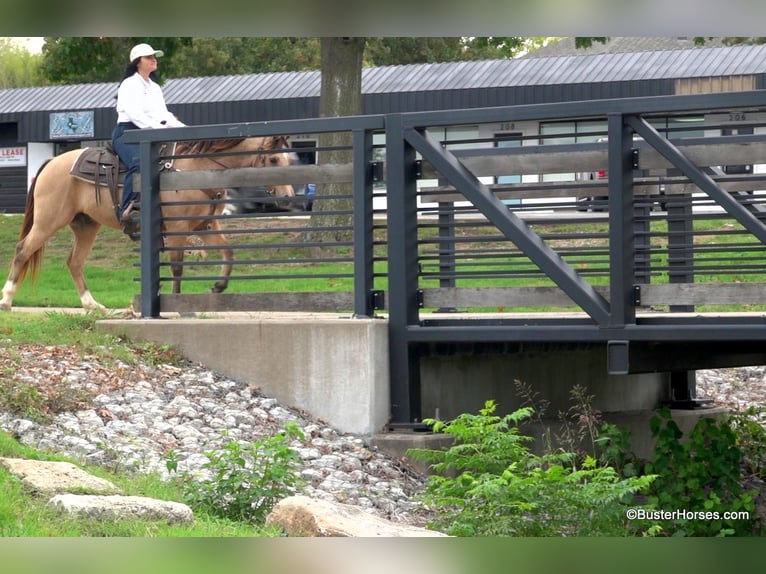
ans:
(256, 199)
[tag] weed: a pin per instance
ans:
(700, 474)
(246, 480)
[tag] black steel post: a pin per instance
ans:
(151, 228)
(446, 244)
(680, 244)
(402, 274)
(622, 251)
(363, 224)
(642, 227)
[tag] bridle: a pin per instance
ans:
(271, 190)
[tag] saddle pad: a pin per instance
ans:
(98, 165)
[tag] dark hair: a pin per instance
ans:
(133, 68)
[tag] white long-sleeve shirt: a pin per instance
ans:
(142, 103)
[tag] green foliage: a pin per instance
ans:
(103, 59)
(700, 474)
(246, 480)
(22, 399)
(23, 514)
(68, 60)
(490, 484)
(225, 56)
(18, 67)
(614, 448)
(748, 425)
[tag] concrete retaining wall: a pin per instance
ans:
(337, 369)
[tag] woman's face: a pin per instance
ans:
(147, 64)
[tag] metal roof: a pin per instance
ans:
(539, 71)
(615, 44)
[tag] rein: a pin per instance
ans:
(270, 189)
(260, 162)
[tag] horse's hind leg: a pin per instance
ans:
(85, 230)
(12, 283)
(28, 253)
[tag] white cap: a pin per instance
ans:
(144, 50)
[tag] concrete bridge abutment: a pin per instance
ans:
(336, 369)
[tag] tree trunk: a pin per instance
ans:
(340, 95)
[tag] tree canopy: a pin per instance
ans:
(85, 60)
(18, 68)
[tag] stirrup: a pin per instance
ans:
(131, 225)
(133, 207)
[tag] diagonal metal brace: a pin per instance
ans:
(698, 177)
(512, 226)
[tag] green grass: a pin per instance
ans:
(25, 515)
(285, 266)
(112, 272)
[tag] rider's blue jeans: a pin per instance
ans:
(128, 153)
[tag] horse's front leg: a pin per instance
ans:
(227, 255)
(175, 248)
(177, 269)
(85, 231)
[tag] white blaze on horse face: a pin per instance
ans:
(9, 290)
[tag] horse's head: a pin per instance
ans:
(272, 151)
(276, 151)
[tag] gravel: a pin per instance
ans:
(132, 417)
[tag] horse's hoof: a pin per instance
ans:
(4, 307)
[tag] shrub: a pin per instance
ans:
(701, 474)
(490, 484)
(246, 480)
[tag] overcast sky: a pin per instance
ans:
(34, 45)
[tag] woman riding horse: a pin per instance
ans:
(140, 104)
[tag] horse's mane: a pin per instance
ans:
(207, 146)
(220, 145)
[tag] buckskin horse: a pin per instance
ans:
(56, 199)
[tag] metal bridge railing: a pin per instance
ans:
(631, 260)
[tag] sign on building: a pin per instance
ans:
(13, 156)
(71, 125)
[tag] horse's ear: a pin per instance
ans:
(278, 142)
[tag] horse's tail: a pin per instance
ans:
(35, 261)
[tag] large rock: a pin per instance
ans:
(48, 477)
(304, 516)
(122, 507)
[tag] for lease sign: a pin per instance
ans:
(13, 156)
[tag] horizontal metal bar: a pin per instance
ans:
(642, 105)
(256, 129)
(563, 332)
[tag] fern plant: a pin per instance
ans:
(489, 483)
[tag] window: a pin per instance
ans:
(508, 140)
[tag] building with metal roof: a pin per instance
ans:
(61, 116)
